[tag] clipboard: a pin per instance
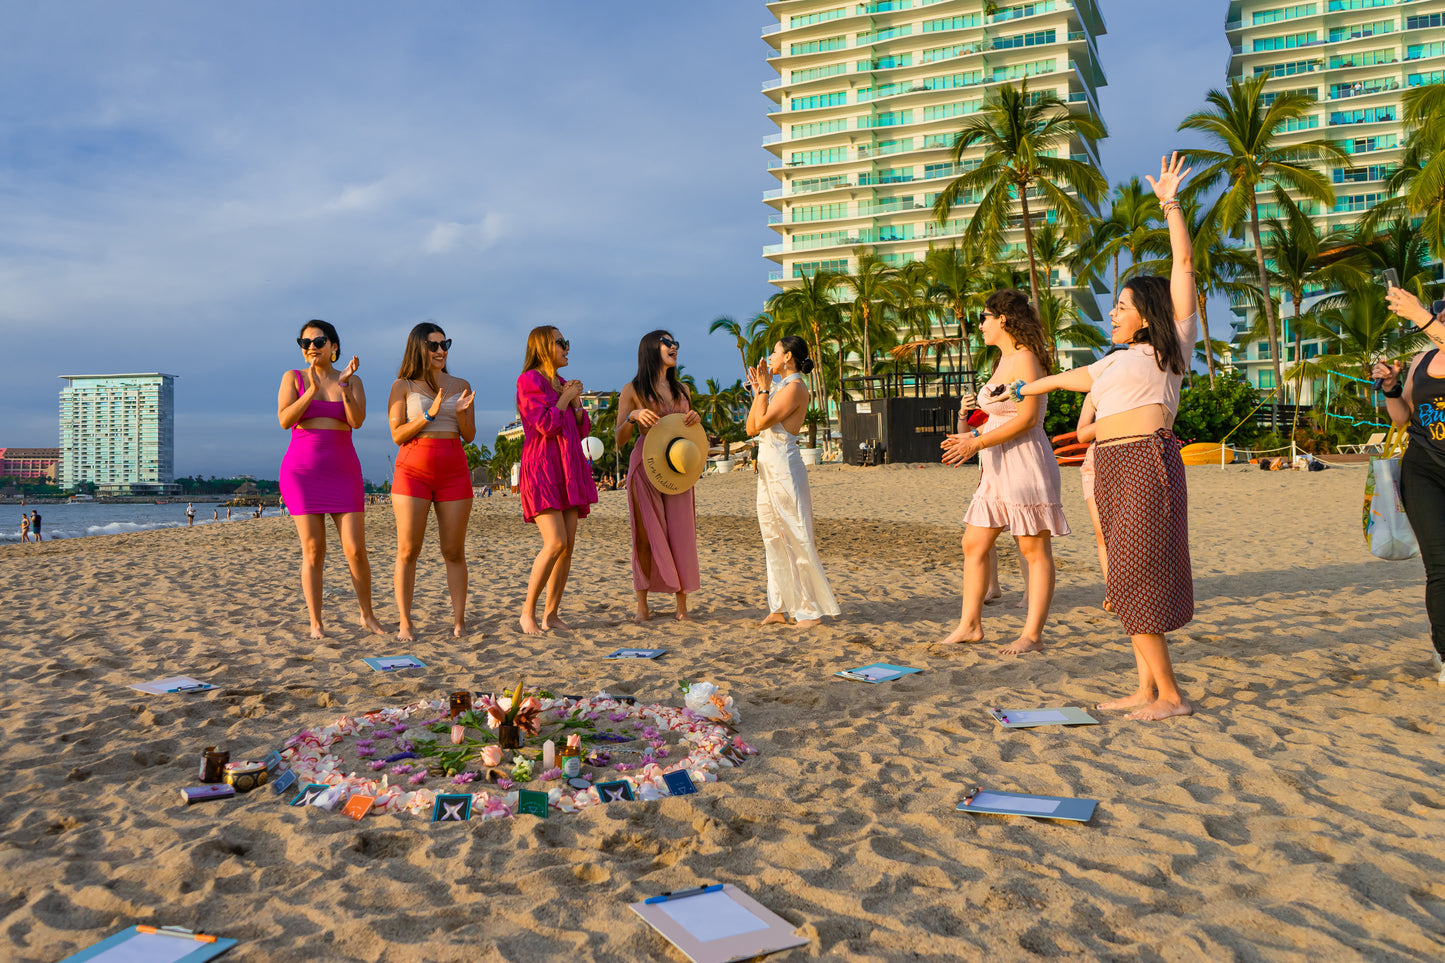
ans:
(717, 924)
(1052, 716)
(175, 683)
(992, 802)
(169, 945)
(877, 672)
(636, 654)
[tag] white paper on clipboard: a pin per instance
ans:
(712, 916)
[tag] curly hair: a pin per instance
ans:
(1021, 321)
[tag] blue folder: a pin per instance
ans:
(168, 942)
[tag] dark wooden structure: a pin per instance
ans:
(901, 418)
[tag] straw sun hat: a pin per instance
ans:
(674, 455)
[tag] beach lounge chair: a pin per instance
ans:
(1374, 445)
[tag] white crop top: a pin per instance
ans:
(1131, 378)
(418, 404)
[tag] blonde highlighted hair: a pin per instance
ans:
(539, 352)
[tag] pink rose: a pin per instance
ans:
(492, 756)
(459, 733)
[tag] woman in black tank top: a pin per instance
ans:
(1417, 400)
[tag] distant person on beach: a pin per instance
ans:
(1085, 432)
(664, 526)
(1020, 488)
(320, 474)
(228, 513)
(1417, 400)
(1140, 485)
(190, 515)
(35, 524)
(215, 514)
(797, 584)
(431, 417)
(24, 527)
(554, 480)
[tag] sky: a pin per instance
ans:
(183, 184)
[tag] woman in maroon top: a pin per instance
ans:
(555, 479)
(1418, 400)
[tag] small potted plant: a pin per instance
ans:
(812, 454)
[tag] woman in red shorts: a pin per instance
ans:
(431, 417)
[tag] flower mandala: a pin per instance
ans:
(382, 739)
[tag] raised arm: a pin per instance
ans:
(539, 410)
(353, 395)
(1181, 277)
(766, 412)
(1076, 379)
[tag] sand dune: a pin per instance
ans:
(1297, 817)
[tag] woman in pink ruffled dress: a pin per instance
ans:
(555, 480)
(1019, 492)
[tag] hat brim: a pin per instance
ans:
(665, 477)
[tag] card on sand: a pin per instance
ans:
(996, 803)
(877, 672)
(715, 924)
(153, 944)
(637, 653)
(390, 663)
(175, 683)
(308, 793)
(452, 807)
(284, 782)
(358, 806)
(679, 783)
(1028, 718)
(617, 791)
(533, 803)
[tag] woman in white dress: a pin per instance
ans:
(797, 585)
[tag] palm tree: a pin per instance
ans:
(716, 408)
(1062, 322)
(1252, 155)
(812, 308)
(1357, 330)
(746, 338)
(876, 290)
(1019, 134)
(1417, 188)
(1131, 225)
(952, 272)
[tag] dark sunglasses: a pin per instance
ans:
(318, 343)
(668, 343)
(439, 345)
(563, 343)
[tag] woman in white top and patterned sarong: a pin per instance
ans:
(797, 585)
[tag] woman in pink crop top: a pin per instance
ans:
(431, 419)
(321, 474)
(1139, 481)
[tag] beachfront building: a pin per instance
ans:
(29, 464)
(118, 433)
(868, 99)
(1356, 58)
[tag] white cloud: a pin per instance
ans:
(448, 236)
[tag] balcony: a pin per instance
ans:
(775, 219)
(772, 139)
(770, 29)
(772, 249)
(1361, 90)
(772, 84)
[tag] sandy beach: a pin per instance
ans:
(1297, 816)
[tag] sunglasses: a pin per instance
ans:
(563, 343)
(318, 343)
(668, 343)
(439, 345)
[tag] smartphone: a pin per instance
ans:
(1437, 307)
(1391, 278)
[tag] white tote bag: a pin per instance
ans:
(1386, 527)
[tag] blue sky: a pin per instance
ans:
(182, 184)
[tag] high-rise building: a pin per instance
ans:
(868, 99)
(1356, 58)
(29, 464)
(118, 432)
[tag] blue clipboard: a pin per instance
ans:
(132, 944)
(995, 803)
(877, 672)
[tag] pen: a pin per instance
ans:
(850, 674)
(169, 931)
(684, 893)
(968, 800)
(998, 714)
(191, 687)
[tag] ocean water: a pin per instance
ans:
(85, 519)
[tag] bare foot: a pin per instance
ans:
(1162, 709)
(992, 596)
(405, 633)
(642, 614)
(316, 631)
(682, 616)
(808, 623)
(776, 618)
(529, 624)
(1142, 697)
(1022, 645)
(1107, 605)
(964, 633)
(554, 623)
(459, 630)
(1023, 602)
(371, 625)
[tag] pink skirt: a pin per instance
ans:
(320, 474)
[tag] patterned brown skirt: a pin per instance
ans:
(1144, 510)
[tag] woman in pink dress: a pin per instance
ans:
(664, 527)
(1019, 491)
(555, 480)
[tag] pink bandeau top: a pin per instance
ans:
(1131, 378)
(318, 407)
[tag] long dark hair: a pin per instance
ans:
(326, 328)
(1020, 321)
(1155, 303)
(649, 365)
(798, 348)
(416, 358)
